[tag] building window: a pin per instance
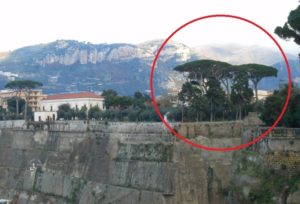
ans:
(43, 108)
(50, 108)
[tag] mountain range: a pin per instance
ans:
(70, 66)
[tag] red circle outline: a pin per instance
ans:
(221, 149)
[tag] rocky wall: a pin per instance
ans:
(110, 163)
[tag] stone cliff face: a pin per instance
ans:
(92, 55)
(108, 163)
(68, 52)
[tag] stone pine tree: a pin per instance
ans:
(215, 95)
(223, 84)
(14, 85)
(186, 95)
(291, 29)
(256, 72)
(241, 94)
(208, 76)
(27, 86)
(191, 95)
(201, 70)
(22, 86)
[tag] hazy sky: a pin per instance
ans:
(27, 22)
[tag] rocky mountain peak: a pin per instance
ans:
(81, 66)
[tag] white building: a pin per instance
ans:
(49, 106)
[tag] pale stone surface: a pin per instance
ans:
(125, 163)
(41, 137)
(294, 198)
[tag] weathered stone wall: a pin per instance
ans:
(112, 163)
(128, 163)
(287, 160)
(12, 124)
(189, 130)
(223, 129)
(281, 144)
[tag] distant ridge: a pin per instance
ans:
(72, 66)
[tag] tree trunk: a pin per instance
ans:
(255, 90)
(226, 85)
(17, 106)
(182, 114)
(223, 113)
(25, 110)
(228, 92)
(211, 113)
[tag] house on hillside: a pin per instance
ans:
(49, 106)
